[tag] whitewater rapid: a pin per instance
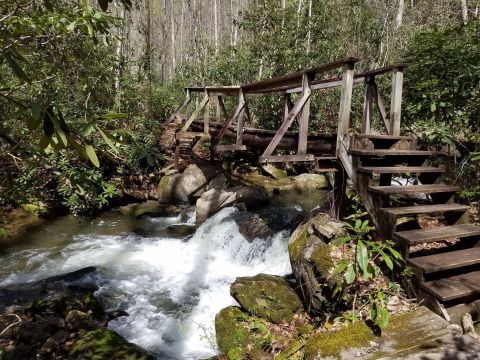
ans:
(170, 287)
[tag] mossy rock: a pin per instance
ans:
(105, 344)
(231, 329)
(181, 230)
(312, 261)
(274, 171)
(267, 296)
(331, 344)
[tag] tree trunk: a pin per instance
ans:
(400, 10)
(309, 34)
(172, 25)
(215, 24)
(464, 11)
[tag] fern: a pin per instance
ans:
(292, 349)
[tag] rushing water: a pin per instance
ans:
(171, 287)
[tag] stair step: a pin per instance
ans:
(446, 261)
(424, 209)
(421, 236)
(413, 189)
(454, 287)
(399, 169)
(389, 152)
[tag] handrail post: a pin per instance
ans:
(345, 104)
(241, 117)
(396, 100)
(180, 108)
(367, 105)
(304, 115)
(206, 116)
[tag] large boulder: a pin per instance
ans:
(150, 208)
(274, 171)
(105, 344)
(211, 202)
(180, 188)
(267, 222)
(307, 182)
(214, 200)
(267, 296)
(313, 260)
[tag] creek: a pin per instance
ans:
(170, 286)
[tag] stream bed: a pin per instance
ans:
(171, 287)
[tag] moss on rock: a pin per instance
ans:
(232, 333)
(105, 344)
(330, 344)
(267, 296)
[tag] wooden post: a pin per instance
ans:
(222, 108)
(381, 107)
(177, 149)
(367, 105)
(241, 117)
(304, 116)
(345, 106)
(396, 101)
(287, 101)
(217, 113)
(206, 117)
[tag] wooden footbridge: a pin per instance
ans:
(445, 258)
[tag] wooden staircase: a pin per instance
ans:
(445, 259)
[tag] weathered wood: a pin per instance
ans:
(424, 209)
(191, 134)
(381, 107)
(367, 107)
(180, 108)
(399, 169)
(441, 233)
(413, 189)
(222, 108)
(206, 119)
(241, 117)
(344, 116)
(287, 123)
(238, 109)
(287, 158)
(396, 101)
(304, 116)
(176, 158)
(197, 111)
(454, 287)
(390, 152)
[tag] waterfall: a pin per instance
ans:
(170, 287)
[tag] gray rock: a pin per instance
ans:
(274, 171)
(211, 202)
(180, 188)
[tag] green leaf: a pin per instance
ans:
(350, 274)
(87, 129)
(387, 260)
(107, 140)
(115, 116)
(362, 256)
(48, 126)
(71, 26)
(78, 148)
(383, 318)
(342, 265)
(342, 240)
(433, 107)
(44, 142)
(17, 70)
(92, 155)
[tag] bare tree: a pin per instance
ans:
(400, 11)
(464, 11)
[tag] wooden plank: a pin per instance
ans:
(454, 287)
(424, 209)
(235, 147)
(304, 116)
(367, 108)
(239, 108)
(396, 101)
(287, 158)
(180, 108)
(286, 124)
(241, 118)
(383, 137)
(222, 107)
(413, 189)
(389, 152)
(399, 169)
(385, 69)
(453, 232)
(197, 111)
(381, 107)
(446, 261)
(294, 79)
(206, 119)
(344, 112)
